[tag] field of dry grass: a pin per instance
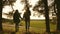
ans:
(36, 27)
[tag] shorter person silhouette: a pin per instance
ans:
(16, 20)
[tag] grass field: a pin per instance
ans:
(36, 27)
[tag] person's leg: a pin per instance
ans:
(16, 27)
(26, 25)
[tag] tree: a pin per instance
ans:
(1, 15)
(58, 14)
(39, 7)
(43, 4)
(52, 10)
(47, 16)
(54, 13)
(9, 3)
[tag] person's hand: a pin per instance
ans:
(21, 18)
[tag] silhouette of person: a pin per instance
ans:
(16, 19)
(26, 16)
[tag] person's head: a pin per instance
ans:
(16, 11)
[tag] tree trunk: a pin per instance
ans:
(58, 14)
(47, 16)
(54, 7)
(1, 15)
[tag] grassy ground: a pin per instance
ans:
(36, 27)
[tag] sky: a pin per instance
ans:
(18, 5)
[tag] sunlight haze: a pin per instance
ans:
(19, 6)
